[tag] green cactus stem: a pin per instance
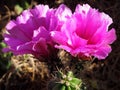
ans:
(67, 82)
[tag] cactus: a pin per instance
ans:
(67, 82)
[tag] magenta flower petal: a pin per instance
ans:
(102, 52)
(41, 32)
(41, 47)
(30, 32)
(24, 17)
(12, 41)
(24, 48)
(85, 33)
(111, 35)
(58, 37)
(91, 20)
(63, 12)
(10, 25)
(40, 11)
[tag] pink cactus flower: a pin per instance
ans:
(30, 32)
(86, 33)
